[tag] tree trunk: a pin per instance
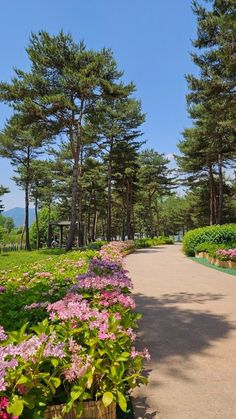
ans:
(94, 227)
(37, 222)
(129, 210)
(82, 240)
(123, 216)
(89, 220)
(22, 237)
(74, 196)
(150, 221)
(220, 204)
(27, 237)
(109, 193)
(49, 234)
(157, 219)
(211, 215)
(75, 150)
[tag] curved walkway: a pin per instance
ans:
(189, 326)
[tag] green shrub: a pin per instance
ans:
(146, 243)
(212, 248)
(218, 234)
(96, 245)
(164, 240)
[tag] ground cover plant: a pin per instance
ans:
(78, 341)
(218, 234)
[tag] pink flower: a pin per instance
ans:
(3, 335)
(3, 402)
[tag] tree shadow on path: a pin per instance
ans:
(157, 249)
(170, 331)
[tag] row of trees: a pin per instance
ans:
(209, 146)
(75, 139)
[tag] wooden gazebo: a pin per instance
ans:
(64, 225)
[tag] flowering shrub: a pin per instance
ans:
(224, 254)
(82, 350)
(42, 282)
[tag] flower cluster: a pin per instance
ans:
(229, 254)
(84, 346)
(91, 281)
(116, 297)
(3, 409)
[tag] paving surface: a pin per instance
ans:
(189, 326)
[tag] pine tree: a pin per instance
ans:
(2, 192)
(65, 82)
(115, 122)
(211, 101)
(155, 181)
(22, 146)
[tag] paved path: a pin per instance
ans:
(189, 325)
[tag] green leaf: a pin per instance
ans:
(23, 380)
(122, 401)
(54, 362)
(113, 371)
(75, 394)
(16, 407)
(55, 381)
(107, 398)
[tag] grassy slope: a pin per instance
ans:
(22, 258)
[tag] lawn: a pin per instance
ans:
(23, 258)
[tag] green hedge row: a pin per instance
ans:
(218, 234)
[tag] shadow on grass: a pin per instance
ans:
(173, 334)
(47, 251)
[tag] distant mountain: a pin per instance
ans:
(18, 215)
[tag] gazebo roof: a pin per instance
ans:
(61, 223)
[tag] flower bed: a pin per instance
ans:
(82, 350)
(224, 256)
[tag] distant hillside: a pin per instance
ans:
(18, 215)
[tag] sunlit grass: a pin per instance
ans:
(9, 260)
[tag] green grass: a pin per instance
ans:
(218, 268)
(23, 258)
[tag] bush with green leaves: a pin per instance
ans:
(97, 245)
(156, 241)
(218, 234)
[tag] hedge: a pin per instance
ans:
(225, 233)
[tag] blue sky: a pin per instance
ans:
(151, 40)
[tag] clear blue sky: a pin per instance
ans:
(151, 40)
